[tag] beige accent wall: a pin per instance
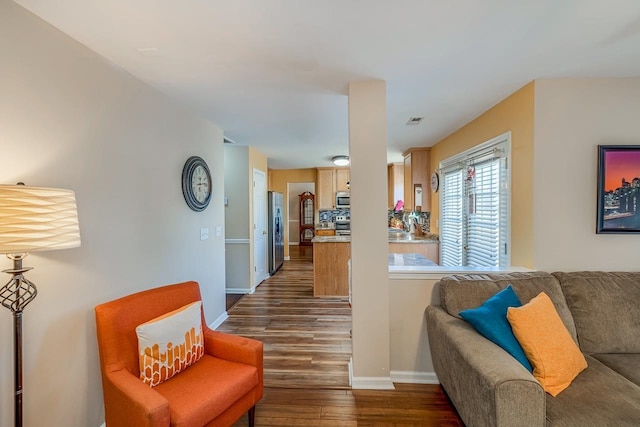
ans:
(278, 180)
(573, 116)
(514, 114)
(69, 119)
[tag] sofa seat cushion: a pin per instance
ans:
(605, 308)
(461, 292)
(597, 397)
(626, 364)
(206, 389)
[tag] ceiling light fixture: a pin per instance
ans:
(414, 121)
(340, 160)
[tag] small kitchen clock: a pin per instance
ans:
(435, 182)
(196, 183)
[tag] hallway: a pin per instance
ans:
(307, 342)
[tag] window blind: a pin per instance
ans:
(474, 201)
(451, 222)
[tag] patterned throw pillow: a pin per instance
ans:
(170, 343)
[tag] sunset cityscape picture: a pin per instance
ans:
(619, 189)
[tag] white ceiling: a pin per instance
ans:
(274, 73)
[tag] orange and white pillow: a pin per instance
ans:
(170, 343)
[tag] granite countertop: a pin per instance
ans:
(346, 239)
(331, 239)
(410, 260)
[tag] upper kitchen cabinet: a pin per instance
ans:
(329, 181)
(417, 191)
(342, 179)
(395, 179)
(326, 188)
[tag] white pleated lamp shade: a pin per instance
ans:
(37, 219)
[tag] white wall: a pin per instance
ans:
(573, 116)
(236, 188)
(69, 119)
(369, 239)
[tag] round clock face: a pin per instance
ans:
(435, 181)
(196, 183)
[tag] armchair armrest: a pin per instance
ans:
(133, 402)
(233, 348)
(236, 349)
(485, 383)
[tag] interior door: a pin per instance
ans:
(259, 227)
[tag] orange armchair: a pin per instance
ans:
(215, 391)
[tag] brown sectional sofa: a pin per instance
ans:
(488, 387)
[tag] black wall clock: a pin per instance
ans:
(196, 183)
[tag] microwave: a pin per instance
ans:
(342, 199)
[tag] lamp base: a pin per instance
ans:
(15, 295)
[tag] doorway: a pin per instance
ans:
(294, 189)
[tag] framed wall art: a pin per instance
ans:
(618, 189)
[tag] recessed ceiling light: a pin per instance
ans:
(340, 160)
(149, 51)
(414, 121)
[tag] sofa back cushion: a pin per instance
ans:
(461, 292)
(605, 308)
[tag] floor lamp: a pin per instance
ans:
(31, 219)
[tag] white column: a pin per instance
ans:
(369, 238)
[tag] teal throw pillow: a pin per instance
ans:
(490, 320)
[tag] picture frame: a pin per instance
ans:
(618, 189)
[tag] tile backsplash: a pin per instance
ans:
(329, 215)
(423, 218)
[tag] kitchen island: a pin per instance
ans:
(331, 256)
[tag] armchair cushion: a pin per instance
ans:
(170, 343)
(205, 390)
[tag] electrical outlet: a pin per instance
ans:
(218, 230)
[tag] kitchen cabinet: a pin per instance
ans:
(328, 182)
(417, 165)
(342, 179)
(326, 188)
(395, 179)
(331, 268)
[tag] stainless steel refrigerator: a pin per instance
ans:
(276, 232)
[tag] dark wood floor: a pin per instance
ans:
(307, 348)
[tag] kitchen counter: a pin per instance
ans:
(347, 239)
(331, 239)
(410, 260)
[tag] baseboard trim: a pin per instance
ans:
(214, 325)
(287, 258)
(413, 377)
(237, 241)
(241, 291)
(294, 243)
(372, 383)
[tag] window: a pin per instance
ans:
(474, 205)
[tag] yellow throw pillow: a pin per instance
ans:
(170, 343)
(555, 357)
